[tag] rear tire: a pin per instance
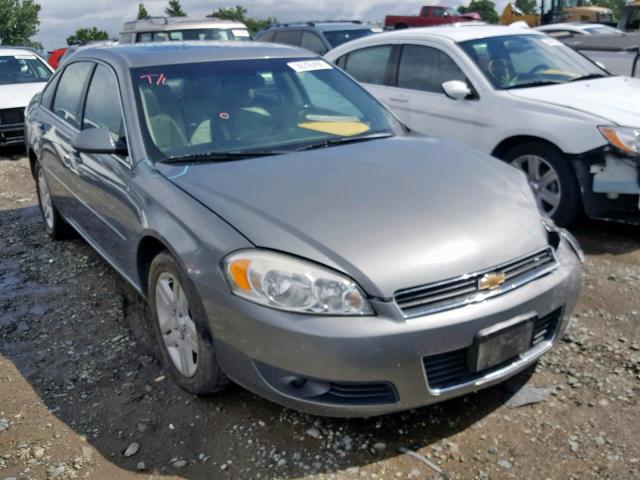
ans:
(57, 228)
(181, 326)
(552, 179)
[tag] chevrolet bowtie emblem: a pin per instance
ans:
(491, 280)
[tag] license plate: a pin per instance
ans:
(499, 343)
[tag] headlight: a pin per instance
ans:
(625, 139)
(288, 283)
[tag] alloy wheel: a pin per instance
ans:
(178, 329)
(543, 180)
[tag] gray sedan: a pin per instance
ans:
(291, 235)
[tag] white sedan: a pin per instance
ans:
(575, 29)
(23, 73)
(523, 97)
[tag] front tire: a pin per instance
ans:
(54, 224)
(181, 326)
(552, 179)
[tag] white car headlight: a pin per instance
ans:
(288, 283)
(625, 139)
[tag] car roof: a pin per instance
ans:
(326, 26)
(166, 24)
(570, 26)
(169, 53)
(456, 32)
(9, 51)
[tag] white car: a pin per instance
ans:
(574, 29)
(23, 73)
(521, 96)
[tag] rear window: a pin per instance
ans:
(22, 68)
(339, 37)
(289, 37)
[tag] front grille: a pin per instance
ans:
(12, 116)
(449, 369)
(359, 394)
(465, 290)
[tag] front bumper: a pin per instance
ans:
(11, 134)
(264, 350)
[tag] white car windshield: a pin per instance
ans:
(22, 68)
(519, 61)
(266, 105)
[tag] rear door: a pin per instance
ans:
(370, 67)
(59, 121)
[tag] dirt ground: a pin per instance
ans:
(79, 385)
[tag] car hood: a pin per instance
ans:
(392, 213)
(18, 95)
(613, 99)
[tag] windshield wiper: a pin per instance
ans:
(344, 141)
(213, 157)
(588, 77)
(539, 83)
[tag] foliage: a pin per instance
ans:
(239, 14)
(616, 6)
(19, 22)
(142, 12)
(528, 7)
(486, 9)
(86, 35)
(175, 9)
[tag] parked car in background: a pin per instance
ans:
(629, 20)
(54, 57)
(23, 73)
(430, 15)
(71, 50)
(521, 96)
(317, 37)
(290, 235)
(618, 53)
(576, 29)
(177, 29)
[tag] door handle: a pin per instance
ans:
(399, 99)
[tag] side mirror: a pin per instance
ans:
(456, 90)
(98, 140)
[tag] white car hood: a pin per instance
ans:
(614, 99)
(18, 95)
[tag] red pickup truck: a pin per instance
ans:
(429, 15)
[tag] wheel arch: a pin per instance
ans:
(148, 248)
(511, 142)
(33, 158)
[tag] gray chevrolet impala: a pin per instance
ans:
(291, 235)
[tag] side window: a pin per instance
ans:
(312, 42)
(266, 37)
(290, 37)
(126, 38)
(102, 108)
(437, 12)
(426, 69)
(369, 65)
(145, 37)
(47, 94)
(634, 20)
(67, 103)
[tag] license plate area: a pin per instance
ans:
(496, 344)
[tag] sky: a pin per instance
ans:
(60, 18)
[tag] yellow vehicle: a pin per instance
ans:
(559, 11)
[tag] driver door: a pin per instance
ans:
(418, 99)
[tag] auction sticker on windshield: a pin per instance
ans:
(309, 66)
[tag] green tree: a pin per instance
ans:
(175, 9)
(142, 12)
(19, 22)
(239, 14)
(527, 6)
(486, 9)
(616, 6)
(86, 35)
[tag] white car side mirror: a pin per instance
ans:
(456, 89)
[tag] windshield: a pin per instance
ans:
(517, 61)
(266, 105)
(23, 68)
(602, 30)
(338, 37)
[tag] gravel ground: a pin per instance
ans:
(83, 396)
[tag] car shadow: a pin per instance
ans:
(600, 237)
(79, 336)
(12, 152)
